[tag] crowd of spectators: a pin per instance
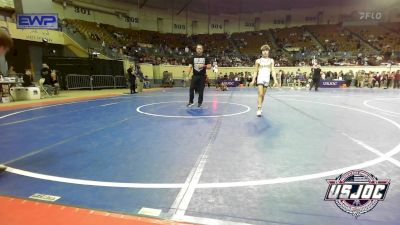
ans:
(332, 44)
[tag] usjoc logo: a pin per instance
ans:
(37, 21)
(356, 192)
(330, 83)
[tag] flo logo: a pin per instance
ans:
(356, 192)
(370, 15)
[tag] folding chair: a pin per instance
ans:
(42, 88)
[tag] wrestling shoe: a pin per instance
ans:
(2, 168)
(259, 112)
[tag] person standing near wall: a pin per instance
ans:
(249, 78)
(185, 79)
(45, 73)
(348, 77)
(140, 78)
(132, 79)
(54, 81)
(397, 80)
(361, 79)
(5, 44)
(27, 78)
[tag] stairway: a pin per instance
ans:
(232, 43)
(274, 45)
(364, 42)
(78, 44)
(272, 40)
(315, 39)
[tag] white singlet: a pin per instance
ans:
(264, 71)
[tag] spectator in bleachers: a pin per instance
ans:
(185, 79)
(338, 43)
(396, 83)
(208, 82)
(370, 79)
(360, 77)
(11, 71)
(45, 73)
(281, 78)
(5, 44)
(224, 80)
(27, 78)
(389, 79)
(377, 78)
(54, 82)
(242, 80)
(218, 82)
(146, 83)
(303, 79)
(139, 74)
(50, 83)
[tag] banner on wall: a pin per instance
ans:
(7, 4)
(47, 21)
(145, 45)
(331, 84)
(231, 83)
(292, 49)
(100, 14)
(52, 36)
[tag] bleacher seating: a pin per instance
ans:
(214, 43)
(378, 36)
(334, 38)
(92, 31)
(293, 37)
(157, 48)
(395, 26)
(250, 42)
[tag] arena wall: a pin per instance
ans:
(155, 72)
(166, 20)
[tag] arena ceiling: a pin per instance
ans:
(244, 6)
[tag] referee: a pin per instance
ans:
(198, 65)
(316, 75)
